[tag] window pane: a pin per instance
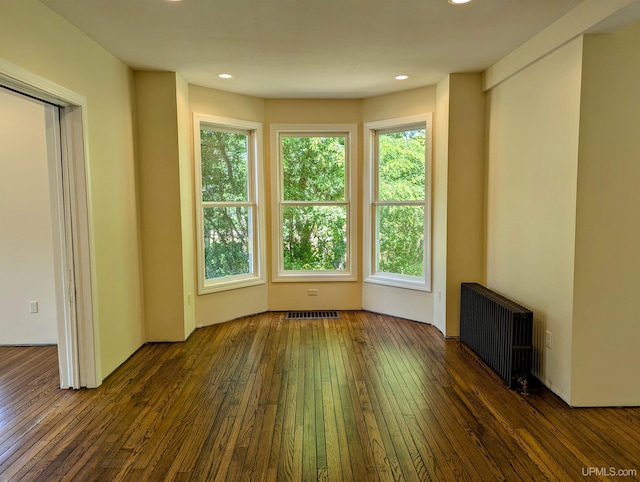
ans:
(314, 237)
(227, 241)
(313, 168)
(400, 239)
(401, 165)
(225, 157)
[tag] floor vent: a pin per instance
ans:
(311, 315)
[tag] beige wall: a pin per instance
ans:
(399, 104)
(187, 213)
(463, 190)
(166, 200)
(203, 100)
(331, 295)
(606, 306)
(531, 200)
(411, 304)
(457, 197)
(26, 231)
(34, 38)
(415, 305)
(222, 306)
(440, 192)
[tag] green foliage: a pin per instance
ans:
(401, 240)
(314, 172)
(225, 178)
(401, 169)
(313, 168)
(314, 236)
(401, 177)
(225, 158)
(226, 241)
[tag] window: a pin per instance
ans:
(397, 194)
(313, 202)
(229, 218)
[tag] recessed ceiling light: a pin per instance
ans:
(225, 76)
(458, 2)
(401, 77)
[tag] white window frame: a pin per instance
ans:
(255, 200)
(370, 179)
(349, 131)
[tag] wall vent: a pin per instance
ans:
(311, 315)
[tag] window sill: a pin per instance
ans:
(307, 276)
(230, 284)
(406, 282)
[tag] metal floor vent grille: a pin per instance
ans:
(311, 315)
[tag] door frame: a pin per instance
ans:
(78, 344)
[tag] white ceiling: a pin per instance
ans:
(311, 48)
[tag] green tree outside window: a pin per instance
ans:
(314, 210)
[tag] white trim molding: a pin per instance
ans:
(257, 275)
(369, 202)
(349, 131)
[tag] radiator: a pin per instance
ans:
(499, 331)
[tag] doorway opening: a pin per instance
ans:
(65, 140)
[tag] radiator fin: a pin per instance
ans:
(498, 330)
(311, 315)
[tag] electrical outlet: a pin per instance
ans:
(189, 298)
(547, 339)
(312, 292)
(33, 306)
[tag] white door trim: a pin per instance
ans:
(63, 254)
(78, 347)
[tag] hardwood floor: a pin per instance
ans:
(364, 397)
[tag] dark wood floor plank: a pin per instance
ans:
(256, 463)
(393, 405)
(360, 450)
(380, 441)
(365, 397)
(308, 420)
(283, 448)
(399, 369)
(339, 463)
